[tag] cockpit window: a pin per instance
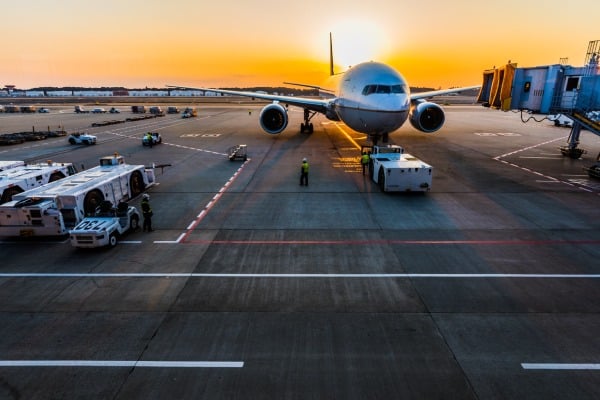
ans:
(383, 89)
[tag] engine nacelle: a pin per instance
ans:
(273, 118)
(426, 117)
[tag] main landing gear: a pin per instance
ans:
(307, 126)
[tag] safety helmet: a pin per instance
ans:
(304, 159)
(146, 196)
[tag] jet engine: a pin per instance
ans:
(273, 118)
(426, 117)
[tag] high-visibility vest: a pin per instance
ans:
(364, 159)
(305, 167)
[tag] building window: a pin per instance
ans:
(572, 84)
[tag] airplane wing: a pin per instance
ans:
(433, 93)
(318, 105)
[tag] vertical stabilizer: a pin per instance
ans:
(330, 55)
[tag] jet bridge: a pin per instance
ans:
(550, 89)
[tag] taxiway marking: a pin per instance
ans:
(120, 364)
(551, 366)
(267, 275)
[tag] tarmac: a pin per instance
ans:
(254, 287)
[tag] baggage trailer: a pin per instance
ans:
(55, 208)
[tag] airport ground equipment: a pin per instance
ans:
(21, 178)
(53, 209)
(172, 110)
(238, 152)
(551, 89)
(106, 227)
(81, 138)
(156, 139)
(138, 109)
(114, 110)
(4, 165)
(189, 112)
(395, 171)
(80, 109)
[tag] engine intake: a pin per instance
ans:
(273, 118)
(427, 117)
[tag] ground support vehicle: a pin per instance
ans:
(238, 152)
(395, 171)
(189, 113)
(21, 178)
(80, 109)
(4, 165)
(156, 139)
(114, 110)
(81, 138)
(172, 110)
(138, 109)
(106, 227)
(55, 208)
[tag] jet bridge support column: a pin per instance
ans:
(571, 149)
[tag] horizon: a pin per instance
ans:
(151, 43)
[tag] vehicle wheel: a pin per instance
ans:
(136, 183)
(371, 168)
(91, 201)
(86, 142)
(56, 176)
(72, 141)
(381, 179)
(9, 193)
(112, 240)
(134, 223)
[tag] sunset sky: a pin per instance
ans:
(224, 43)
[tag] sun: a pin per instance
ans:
(356, 41)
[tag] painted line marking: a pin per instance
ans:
(109, 363)
(210, 204)
(267, 275)
(550, 366)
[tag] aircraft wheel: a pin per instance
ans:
(302, 128)
(310, 128)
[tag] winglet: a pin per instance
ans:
(330, 55)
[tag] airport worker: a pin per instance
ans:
(364, 160)
(149, 139)
(147, 213)
(304, 172)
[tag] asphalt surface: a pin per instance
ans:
(253, 287)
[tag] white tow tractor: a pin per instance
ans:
(395, 171)
(81, 138)
(106, 226)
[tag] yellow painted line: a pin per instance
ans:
(348, 136)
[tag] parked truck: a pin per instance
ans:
(55, 208)
(395, 171)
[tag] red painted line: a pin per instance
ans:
(405, 242)
(210, 204)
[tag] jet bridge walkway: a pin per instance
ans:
(550, 89)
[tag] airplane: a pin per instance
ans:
(371, 98)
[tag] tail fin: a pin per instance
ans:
(331, 56)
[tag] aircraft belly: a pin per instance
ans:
(367, 121)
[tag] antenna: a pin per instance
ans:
(330, 55)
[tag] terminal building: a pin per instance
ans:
(550, 89)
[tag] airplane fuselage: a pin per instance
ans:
(372, 98)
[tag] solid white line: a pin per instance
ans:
(109, 363)
(216, 275)
(560, 366)
(130, 241)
